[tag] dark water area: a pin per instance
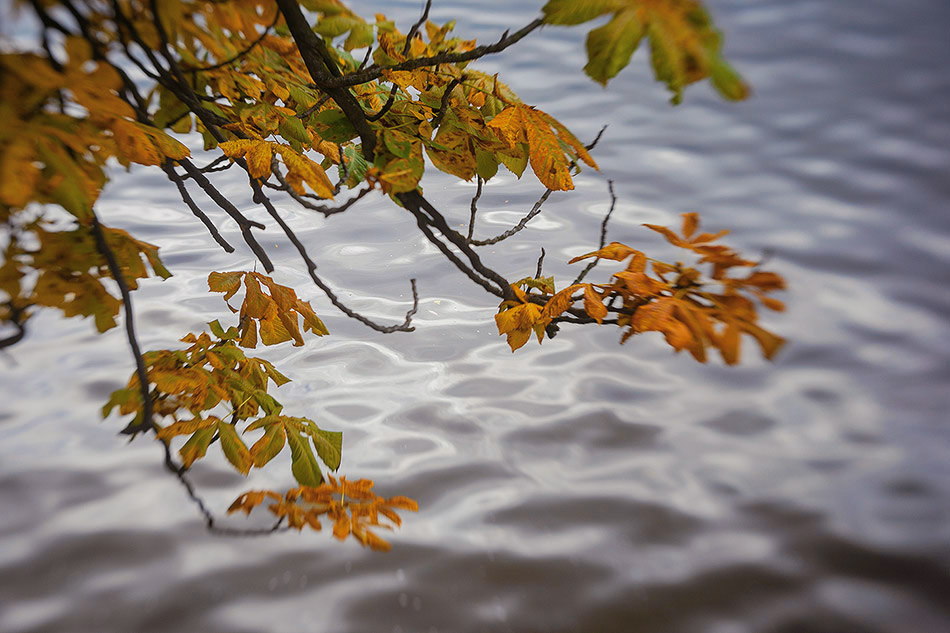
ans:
(577, 486)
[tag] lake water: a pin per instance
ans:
(578, 486)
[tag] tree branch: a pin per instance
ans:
(116, 271)
(405, 326)
(603, 233)
(376, 72)
(322, 69)
(228, 207)
(238, 56)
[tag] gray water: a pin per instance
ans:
(578, 486)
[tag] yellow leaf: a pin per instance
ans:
(18, 176)
(235, 149)
(307, 171)
(134, 145)
(519, 123)
(518, 323)
(770, 343)
(259, 159)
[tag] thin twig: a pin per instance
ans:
(189, 201)
(228, 207)
(300, 198)
(535, 210)
(603, 232)
(238, 56)
(415, 27)
(374, 72)
(444, 102)
(537, 275)
(474, 207)
(313, 108)
(116, 271)
(405, 326)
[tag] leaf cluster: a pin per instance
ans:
(694, 311)
(352, 507)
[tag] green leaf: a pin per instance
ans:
(516, 163)
(278, 378)
(334, 126)
(568, 12)
(267, 402)
(486, 164)
(216, 329)
(337, 25)
(329, 444)
(356, 166)
(303, 464)
(234, 449)
(610, 47)
(397, 143)
(360, 36)
(196, 447)
(292, 129)
(267, 448)
(303, 97)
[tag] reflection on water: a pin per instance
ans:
(578, 486)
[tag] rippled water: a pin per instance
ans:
(578, 486)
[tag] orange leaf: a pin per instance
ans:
(593, 304)
(615, 251)
(690, 224)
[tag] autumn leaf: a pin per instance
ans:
(518, 322)
(544, 135)
(304, 464)
(615, 251)
(234, 449)
(594, 304)
(685, 45)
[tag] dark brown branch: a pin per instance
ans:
(386, 106)
(405, 326)
(537, 275)
(17, 319)
(415, 28)
(313, 108)
(444, 103)
(189, 201)
(146, 422)
(535, 210)
(228, 207)
(474, 207)
(322, 69)
(414, 201)
(376, 72)
(603, 232)
(423, 222)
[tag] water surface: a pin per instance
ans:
(576, 486)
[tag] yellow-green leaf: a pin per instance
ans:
(234, 449)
